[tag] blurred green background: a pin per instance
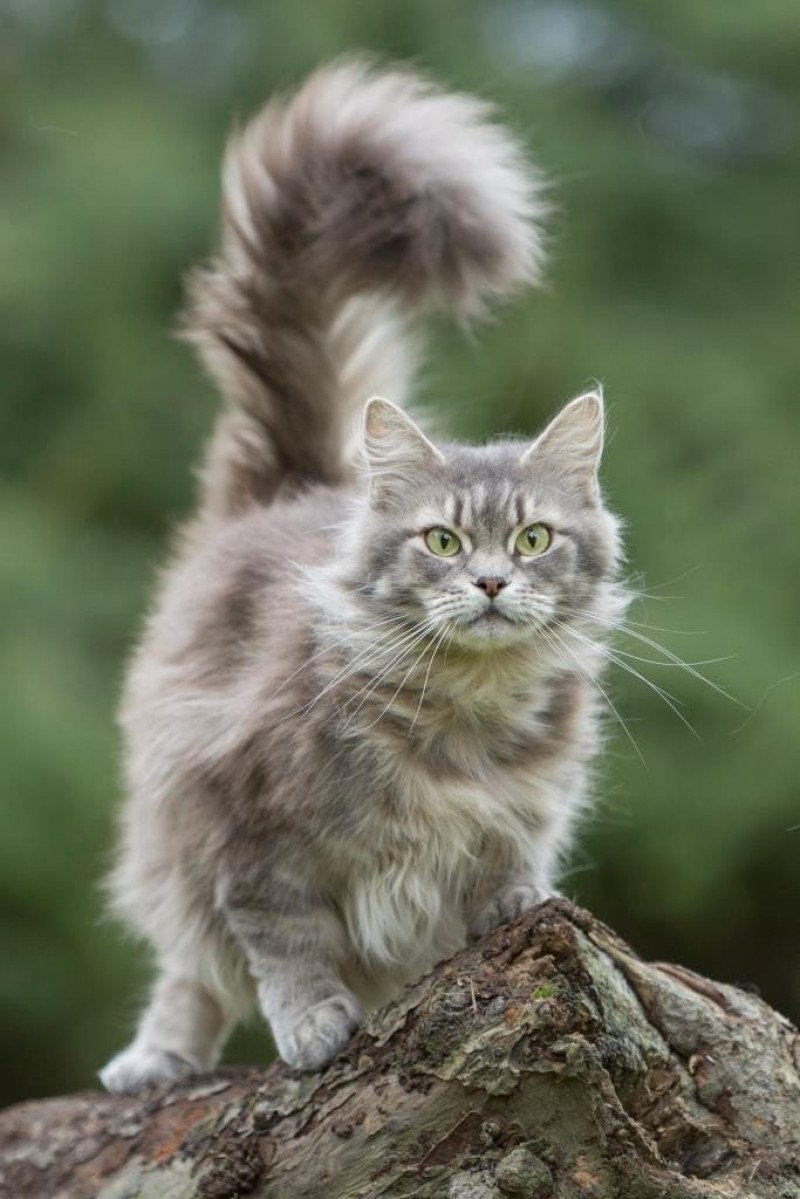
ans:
(670, 134)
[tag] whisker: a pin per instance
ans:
(436, 646)
(334, 645)
(673, 658)
(362, 660)
(677, 579)
(582, 673)
(608, 653)
(400, 686)
(680, 665)
(369, 688)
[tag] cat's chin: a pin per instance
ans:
(490, 630)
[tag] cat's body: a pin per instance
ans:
(357, 730)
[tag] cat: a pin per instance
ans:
(359, 726)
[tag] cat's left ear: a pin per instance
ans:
(397, 451)
(573, 442)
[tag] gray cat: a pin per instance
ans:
(359, 723)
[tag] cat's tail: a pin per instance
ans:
(367, 198)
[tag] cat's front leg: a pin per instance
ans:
(295, 945)
(508, 898)
(516, 880)
(181, 1032)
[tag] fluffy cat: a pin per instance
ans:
(358, 726)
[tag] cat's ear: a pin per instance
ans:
(396, 450)
(573, 442)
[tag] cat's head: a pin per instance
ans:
(493, 543)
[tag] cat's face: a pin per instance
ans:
(489, 545)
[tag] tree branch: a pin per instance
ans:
(548, 1061)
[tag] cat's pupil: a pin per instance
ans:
(444, 540)
(533, 537)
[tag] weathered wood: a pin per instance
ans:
(548, 1061)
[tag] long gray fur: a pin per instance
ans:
(344, 753)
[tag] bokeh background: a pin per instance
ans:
(670, 134)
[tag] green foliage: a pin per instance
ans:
(670, 134)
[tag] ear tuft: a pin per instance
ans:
(574, 441)
(395, 448)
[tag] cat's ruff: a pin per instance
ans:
(360, 720)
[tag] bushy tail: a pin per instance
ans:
(366, 198)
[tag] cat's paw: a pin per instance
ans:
(511, 901)
(319, 1033)
(136, 1067)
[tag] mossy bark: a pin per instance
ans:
(547, 1061)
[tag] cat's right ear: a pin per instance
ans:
(574, 441)
(396, 450)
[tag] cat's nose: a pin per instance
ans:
(491, 584)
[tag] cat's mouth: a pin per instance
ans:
(490, 623)
(491, 614)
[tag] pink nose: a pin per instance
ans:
(491, 584)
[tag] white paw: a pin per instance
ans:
(135, 1068)
(509, 903)
(320, 1032)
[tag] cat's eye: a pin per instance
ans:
(533, 541)
(442, 542)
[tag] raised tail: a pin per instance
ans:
(365, 199)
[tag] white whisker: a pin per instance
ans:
(590, 678)
(369, 688)
(608, 653)
(400, 686)
(672, 658)
(362, 660)
(347, 639)
(436, 646)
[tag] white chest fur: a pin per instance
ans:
(486, 788)
(446, 838)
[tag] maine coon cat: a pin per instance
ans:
(359, 723)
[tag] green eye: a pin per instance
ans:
(533, 541)
(442, 542)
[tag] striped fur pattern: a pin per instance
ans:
(345, 752)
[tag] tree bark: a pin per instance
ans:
(547, 1061)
